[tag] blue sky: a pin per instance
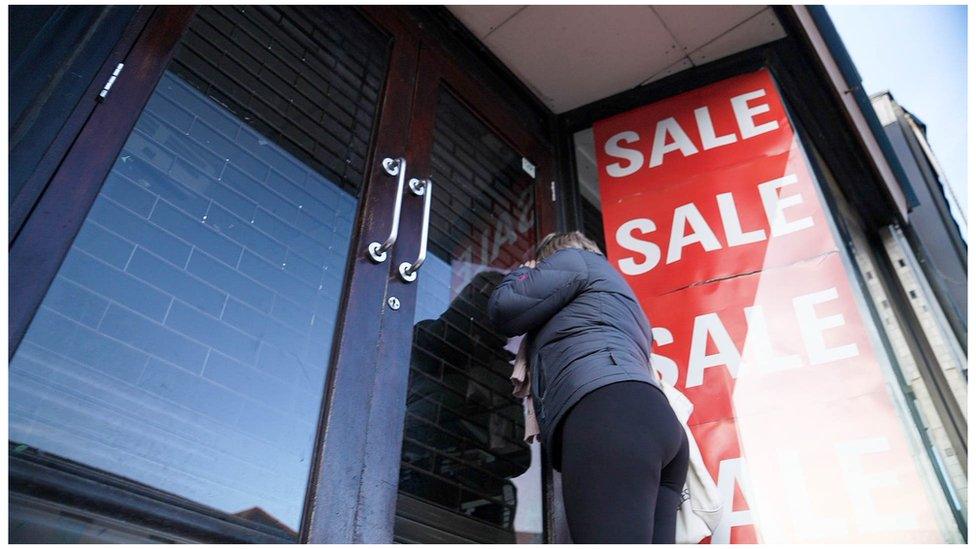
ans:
(919, 54)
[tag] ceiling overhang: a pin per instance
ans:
(573, 55)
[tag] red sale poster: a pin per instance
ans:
(712, 214)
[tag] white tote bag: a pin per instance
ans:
(701, 503)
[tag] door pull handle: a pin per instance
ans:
(408, 271)
(394, 167)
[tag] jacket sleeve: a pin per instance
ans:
(527, 297)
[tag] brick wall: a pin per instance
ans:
(307, 77)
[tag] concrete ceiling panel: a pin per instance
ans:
(682, 64)
(482, 20)
(761, 28)
(572, 55)
(694, 26)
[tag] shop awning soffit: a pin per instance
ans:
(573, 55)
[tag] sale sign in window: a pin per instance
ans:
(712, 214)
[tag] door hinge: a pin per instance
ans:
(552, 190)
(111, 80)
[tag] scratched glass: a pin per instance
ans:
(185, 340)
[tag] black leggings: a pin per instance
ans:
(624, 461)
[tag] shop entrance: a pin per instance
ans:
(248, 278)
(274, 243)
(466, 475)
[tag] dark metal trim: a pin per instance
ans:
(846, 65)
(570, 207)
(957, 323)
(934, 186)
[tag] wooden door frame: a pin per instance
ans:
(90, 143)
(346, 500)
(46, 236)
(359, 505)
(41, 244)
(22, 204)
(437, 70)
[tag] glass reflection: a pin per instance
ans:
(183, 343)
(463, 437)
(185, 340)
(462, 441)
(466, 472)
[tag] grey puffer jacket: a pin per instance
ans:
(585, 326)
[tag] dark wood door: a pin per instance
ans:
(423, 425)
(196, 316)
(465, 472)
(205, 297)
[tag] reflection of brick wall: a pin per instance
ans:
(308, 78)
(483, 203)
(463, 431)
(185, 339)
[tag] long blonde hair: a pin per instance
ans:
(553, 242)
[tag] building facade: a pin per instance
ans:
(251, 250)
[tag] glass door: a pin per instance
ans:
(184, 344)
(466, 474)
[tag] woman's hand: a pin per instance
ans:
(530, 264)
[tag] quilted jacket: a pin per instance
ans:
(585, 328)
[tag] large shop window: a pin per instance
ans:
(184, 342)
(708, 203)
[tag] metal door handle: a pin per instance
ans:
(408, 272)
(398, 166)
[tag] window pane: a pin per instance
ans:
(760, 321)
(185, 339)
(465, 467)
